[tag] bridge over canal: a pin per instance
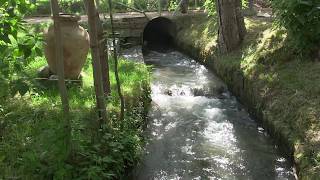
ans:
(131, 26)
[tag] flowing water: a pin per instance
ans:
(198, 130)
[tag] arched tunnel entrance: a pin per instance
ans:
(159, 34)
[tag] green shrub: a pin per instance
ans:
(66, 6)
(73, 7)
(301, 18)
(210, 7)
(32, 130)
(17, 47)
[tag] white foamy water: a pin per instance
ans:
(197, 130)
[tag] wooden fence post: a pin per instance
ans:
(60, 72)
(59, 55)
(104, 59)
(159, 7)
(94, 44)
(103, 52)
(115, 56)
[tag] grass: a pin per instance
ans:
(278, 84)
(32, 128)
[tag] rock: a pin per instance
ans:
(53, 77)
(182, 93)
(197, 92)
(209, 92)
(168, 92)
(221, 90)
(44, 72)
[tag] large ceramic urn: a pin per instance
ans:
(75, 44)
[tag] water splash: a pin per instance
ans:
(199, 131)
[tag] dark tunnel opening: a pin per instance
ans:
(159, 35)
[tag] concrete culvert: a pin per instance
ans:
(159, 35)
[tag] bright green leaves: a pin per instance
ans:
(301, 18)
(17, 47)
(210, 7)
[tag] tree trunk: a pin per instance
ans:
(251, 3)
(184, 6)
(231, 24)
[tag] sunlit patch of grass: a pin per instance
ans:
(292, 99)
(201, 34)
(288, 87)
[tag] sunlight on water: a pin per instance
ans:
(197, 130)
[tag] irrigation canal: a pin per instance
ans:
(198, 130)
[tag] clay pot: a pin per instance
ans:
(75, 42)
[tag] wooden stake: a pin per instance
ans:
(116, 64)
(94, 44)
(61, 81)
(59, 56)
(103, 52)
(104, 59)
(159, 7)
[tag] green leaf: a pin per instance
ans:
(5, 38)
(38, 51)
(2, 2)
(2, 157)
(26, 49)
(27, 52)
(19, 86)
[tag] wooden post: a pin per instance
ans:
(59, 55)
(116, 64)
(60, 72)
(159, 7)
(251, 5)
(103, 52)
(94, 44)
(104, 59)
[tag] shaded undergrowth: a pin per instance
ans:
(32, 128)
